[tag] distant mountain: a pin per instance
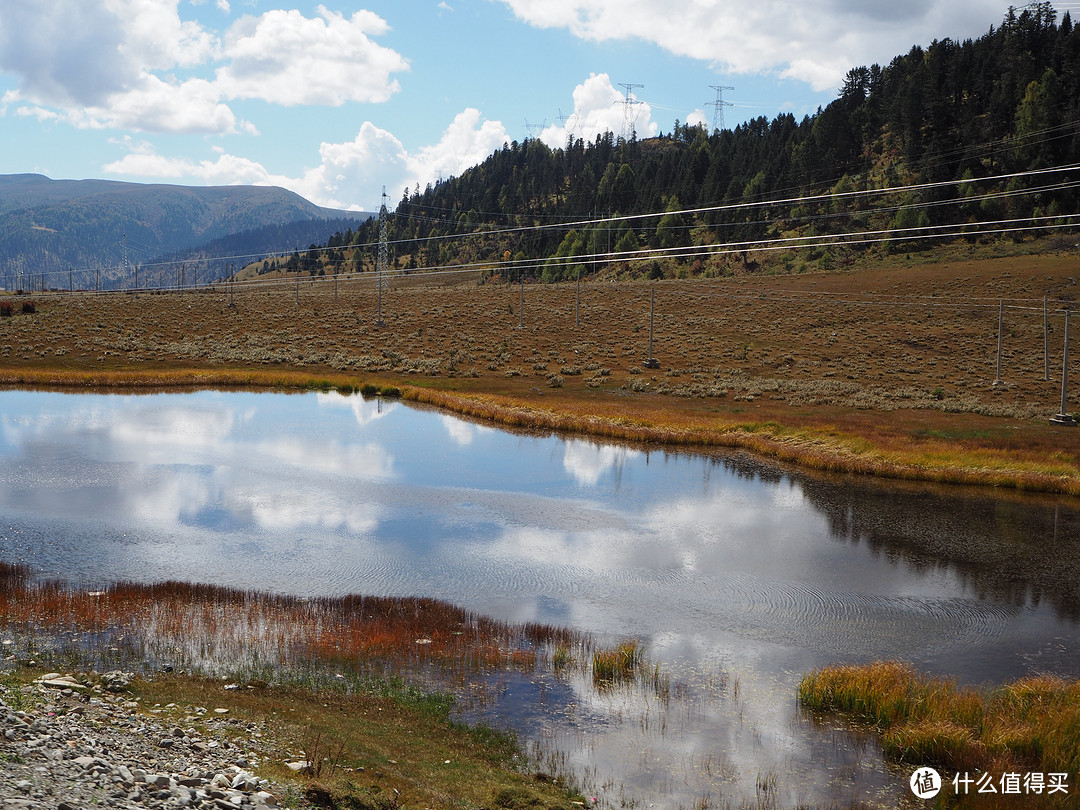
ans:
(220, 258)
(91, 227)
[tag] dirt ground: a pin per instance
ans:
(897, 356)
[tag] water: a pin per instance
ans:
(737, 576)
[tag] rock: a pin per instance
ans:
(56, 681)
(117, 681)
(108, 754)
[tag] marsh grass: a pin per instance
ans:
(260, 636)
(1032, 724)
(421, 655)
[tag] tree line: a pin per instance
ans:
(1007, 102)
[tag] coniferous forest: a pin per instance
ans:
(963, 131)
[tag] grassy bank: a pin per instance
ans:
(1030, 725)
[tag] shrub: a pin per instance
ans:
(7, 309)
(28, 307)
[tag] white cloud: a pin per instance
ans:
(109, 64)
(467, 141)
(599, 108)
(349, 175)
(154, 105)
(816, 43)
(286, 58)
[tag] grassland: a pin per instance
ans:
(890, 371)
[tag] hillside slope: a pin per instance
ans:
(50, 226)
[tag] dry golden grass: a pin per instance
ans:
(884, 372)
(1030, 725)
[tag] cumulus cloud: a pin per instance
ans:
(816, 43)
(467, 141)
(285, 58)
(111, 63)
(599, 108)
(348, 175)
(69, 53)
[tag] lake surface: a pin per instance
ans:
(736, 575)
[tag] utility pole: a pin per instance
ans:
(533, 130)
(628, 110)
(1064, 418)
(651, 362)
(577, 300)
(718, 106)
(1001, 333)
(1046, 343)
(383, 258)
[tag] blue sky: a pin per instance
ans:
(337, 100)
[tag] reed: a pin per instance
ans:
(1033, 723)
(218, 631)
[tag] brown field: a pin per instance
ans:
(883, 371)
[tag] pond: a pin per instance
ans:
(737, 576)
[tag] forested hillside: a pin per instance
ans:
(961, 128)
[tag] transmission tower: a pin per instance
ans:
(533, 130)
(571, 124)
(718, 106)
(629, 115)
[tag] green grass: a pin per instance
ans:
(373, 751)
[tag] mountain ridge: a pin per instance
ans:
(101, 228)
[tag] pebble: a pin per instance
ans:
(75, 748)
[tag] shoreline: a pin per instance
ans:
(659, 420)
(848, 371)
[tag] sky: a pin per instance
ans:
(339, 100)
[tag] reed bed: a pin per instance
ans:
(351, 642)
(1032, 724)
(249, 634)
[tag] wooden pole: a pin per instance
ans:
(1046, 343)
(1063, 417)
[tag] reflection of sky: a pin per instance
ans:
(716, 562)
(384, 498)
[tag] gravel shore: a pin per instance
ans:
(68, 743)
